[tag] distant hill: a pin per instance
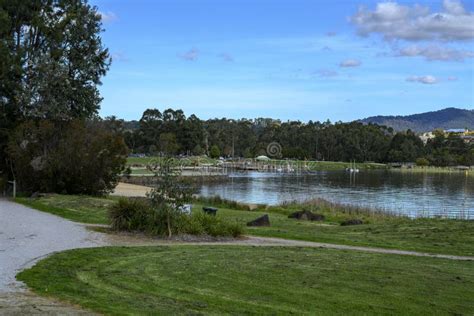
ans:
(444, 119)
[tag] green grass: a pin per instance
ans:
(434, 170)
(425, 235)
(143, 161)
(78, 208)
(444, 236)
(235, 280)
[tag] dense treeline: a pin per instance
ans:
(172, 132)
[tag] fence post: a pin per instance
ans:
(14, 188)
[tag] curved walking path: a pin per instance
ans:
(27, 235)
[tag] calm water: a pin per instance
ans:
(413, 194)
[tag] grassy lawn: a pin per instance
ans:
(143, 161)
(427, 235)
(220, 280)
(83, 209)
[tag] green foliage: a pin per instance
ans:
(323, 141)
(138, 215)
(200, 223)
(449, 150)
(51, 62)
(129, 215)
(168, 143)
(422, 162)
(215, 152)
(57, 40)
(72, 157)
(405, 147)
(170, 193)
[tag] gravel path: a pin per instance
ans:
(27, 235)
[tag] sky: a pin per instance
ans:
(287, 59)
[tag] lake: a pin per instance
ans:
(413, 194)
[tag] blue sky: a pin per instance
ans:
(292, 59)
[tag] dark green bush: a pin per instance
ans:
(422, 162)
(67, 157)
(129, 215)
(200, 223)
(137, 215)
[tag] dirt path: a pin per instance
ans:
(126, 240)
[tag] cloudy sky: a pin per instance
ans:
(288, 59)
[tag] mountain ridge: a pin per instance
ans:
(447, 118)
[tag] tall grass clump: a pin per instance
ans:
(200, 223)
(140, 216)
(338, 211)
(130, 215)
(217, 201)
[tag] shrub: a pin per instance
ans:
(129, 215)
(200, 223)
(422, 162)
(72, 157)
(215, 152)
(138, 215)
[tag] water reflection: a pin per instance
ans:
(415, 194)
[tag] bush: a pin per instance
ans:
(137, 215)
(74, 157)
(422, 162)
(129, 215)
(200, 223)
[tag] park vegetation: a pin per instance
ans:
(51, 63)
(173, 133)
(163, 212)
(379, 229)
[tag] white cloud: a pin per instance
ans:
(416, 23)
(350, 63)
(108, 16)
(454, 7)
(190, 55)
(423, 79)
(434, 52)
